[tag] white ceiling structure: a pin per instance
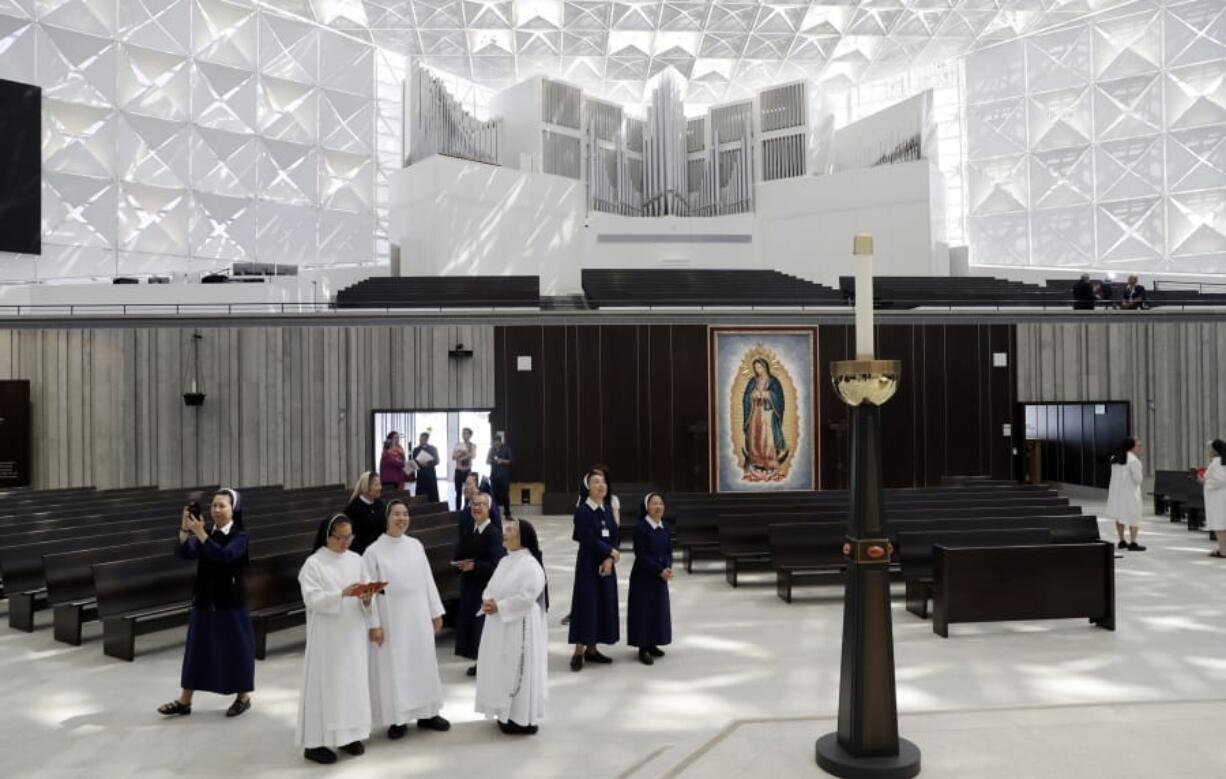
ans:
(725, 48)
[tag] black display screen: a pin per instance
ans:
(20, 168)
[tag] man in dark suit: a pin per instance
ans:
(1134, 295)
(1083, 294)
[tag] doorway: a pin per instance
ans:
(445, 429)
(1070, 442)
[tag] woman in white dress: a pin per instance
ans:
(511, 662)
(1215, 496)
(1124, 493)
(404, 680)
(334, 708)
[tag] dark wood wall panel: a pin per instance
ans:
(635, 398)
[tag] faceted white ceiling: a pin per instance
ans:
(726, 48)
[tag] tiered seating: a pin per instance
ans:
(442, 292)
(92, 555)
(608, 288)
(962, 291)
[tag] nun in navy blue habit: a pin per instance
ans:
(477, 552)
(593, 602)
(220, 652)
(648, 620)
(473, 485)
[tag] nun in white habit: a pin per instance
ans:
(1124, 493)
(334, 708)
(404, 680)
(511, 661)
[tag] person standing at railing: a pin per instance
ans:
(220, 653)
(1083, 294)
(1133, 296)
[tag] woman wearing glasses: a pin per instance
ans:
(334, 708)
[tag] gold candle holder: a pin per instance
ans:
(861, 381)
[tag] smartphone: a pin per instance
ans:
(193, 508)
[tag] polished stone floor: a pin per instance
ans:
(745, 689)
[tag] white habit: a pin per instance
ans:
(1124, 492)
(511, 661)
(334, 708)
(1215, 496)
(404, 681)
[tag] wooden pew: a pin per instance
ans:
(915, 554)
(1164, 484)
(1052, 581)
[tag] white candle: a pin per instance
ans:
(863, 252)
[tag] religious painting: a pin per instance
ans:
(763, 408)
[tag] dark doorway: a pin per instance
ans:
(1070, 442)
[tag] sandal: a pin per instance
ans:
(1217, 553)
(175, 708)
(239, 706)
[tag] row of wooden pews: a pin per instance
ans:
(1180, 495)
(939, 536)
(107, 556)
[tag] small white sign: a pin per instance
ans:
(523, 362)
(1000, 359)
(1007, 430)
(1100, 409)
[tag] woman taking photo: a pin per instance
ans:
(593, 603)
(220, 652)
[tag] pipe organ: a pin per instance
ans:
(436, 123)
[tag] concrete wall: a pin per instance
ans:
(284, 405)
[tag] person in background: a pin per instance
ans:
(391, 464)
(427, 476)
(1215, 496)
(366, 511)
(648, 619)
(462, 456)
(1124, 493)
(220, 652)
(1083, 294)
(334, 706)
(474, 485)
(477, 552)
(404, 680)
(512, 667)
(1104, 293)
(499, 460)
(593, 603)
(1133, 297)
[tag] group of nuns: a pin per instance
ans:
(371, 618)
(593, 615)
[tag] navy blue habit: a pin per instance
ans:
(220, 652)
(485, 550)
(648, 619)
(593, 601)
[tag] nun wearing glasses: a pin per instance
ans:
(334, 707)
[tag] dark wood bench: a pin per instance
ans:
(1165, 482)
(803, 553)
(1050, 581)
(915, 554)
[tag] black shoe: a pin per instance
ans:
(355, 749)
(655, 651)
(645, 657)
(576, 662)
(512, 728)
(1135, 547)
(239, 706)
(566, 620)
(593, 656)
(472, 670)
(175, 708)
(1122, 545)
(320, 755)
(397, 731)
(434, 723)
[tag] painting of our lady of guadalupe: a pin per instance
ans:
(763, 409)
